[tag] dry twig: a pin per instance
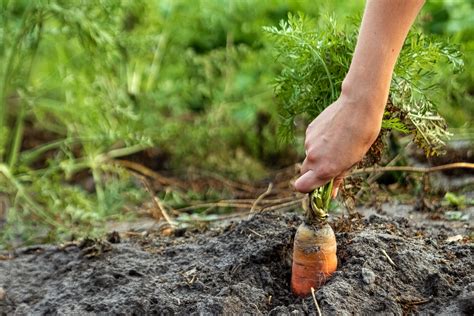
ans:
(283, 205)
(238, 203)
(2, 257)
(388, 258)
(455, 165)
(157, 203)
(141, 169)
(163, 211)
(253, 231)
(315, 302)
(215, 204)
(264, 194)
(215, 219)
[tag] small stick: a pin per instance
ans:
(230, 183)
(2, 257)
(283, 205)
(216, 204)
(163, 211)
(67, 245)
(419, 302)
(264, 194)
(260, 235)
(315, 301)
(455, 165)
(158, 203)
(219, 218)
(147, 172)
(388, 258)
(255, 305)
(265, 201)
(236, 203)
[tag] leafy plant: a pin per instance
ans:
(456, 200)
(456, 93)
(83, 84)
(316, 58)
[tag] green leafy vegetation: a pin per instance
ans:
(455, 93)
(458, 201)
(316, 59)
(84, 84)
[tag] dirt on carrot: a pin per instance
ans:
(386, 264)
(314, 258)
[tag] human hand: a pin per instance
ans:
(341, 135)
(336, 140)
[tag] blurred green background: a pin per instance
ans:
(176, 85)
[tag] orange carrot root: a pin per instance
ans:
(314, 258)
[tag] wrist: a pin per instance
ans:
(366, 94)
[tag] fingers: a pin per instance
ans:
(311, 177)
(314, 175)
(309, 181)
(337, 183)
(305, 166)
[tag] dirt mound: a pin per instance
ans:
(244, 268)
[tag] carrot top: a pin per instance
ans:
(319, 200)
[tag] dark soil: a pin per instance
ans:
(245, 268)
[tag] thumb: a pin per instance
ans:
(308, 182)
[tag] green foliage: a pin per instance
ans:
(455, 200)
(414, 83)
(314, 65)
(394, 124)
(316, 59)
(80, 99)
(455, 95)
(104, 80)
(83, 83)
(450, 16)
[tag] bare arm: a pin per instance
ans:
(384, 28)
(341, 135)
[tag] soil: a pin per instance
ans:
(244, 268)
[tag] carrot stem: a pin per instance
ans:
(319, 201)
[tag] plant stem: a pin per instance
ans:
(17, 136)
(323, 63)
(319, 201)
(7, 71)
(38, 210)
(19, 125)
(120, 152)
(156, 63)
(99, 189)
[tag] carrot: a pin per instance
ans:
(314, 249)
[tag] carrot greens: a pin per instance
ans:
(316, 56)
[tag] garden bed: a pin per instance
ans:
(387, 264)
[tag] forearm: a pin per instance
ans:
(383, 30)
(341, 135)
